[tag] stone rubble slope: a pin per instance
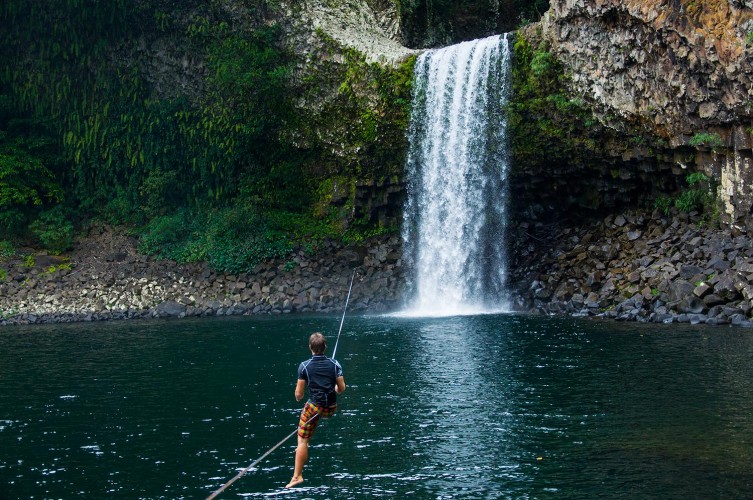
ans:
(108, 279)
(643, 267)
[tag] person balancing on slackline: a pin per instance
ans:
(324, 377)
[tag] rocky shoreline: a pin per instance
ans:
(105, 278)
(639, 266)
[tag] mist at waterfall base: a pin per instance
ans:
(505, 406)
(456, 171)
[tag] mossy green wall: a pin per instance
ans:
(153, 110)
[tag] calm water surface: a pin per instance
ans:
(467, 407)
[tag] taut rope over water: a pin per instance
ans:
(347, 299)
(253, 464)
(243, 472)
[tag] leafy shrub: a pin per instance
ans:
(156, 191)
(663, 203)
(691, 200)
(697, 178)
(233, 239)
(54, 230)
(543, 64)
(166, 236)
(7, 251)
(700, 195)
(238, 238)
(705, 139)
(3, 275)
(26, 181)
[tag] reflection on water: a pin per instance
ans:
(463, 407)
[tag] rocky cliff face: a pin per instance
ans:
(350, 86)
(352, 93)
(678, 69)
(371, 27)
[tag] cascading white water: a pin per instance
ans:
(457, 168)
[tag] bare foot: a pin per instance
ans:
(294, 482)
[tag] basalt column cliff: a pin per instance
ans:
(679, 70)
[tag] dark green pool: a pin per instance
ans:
(466, 407)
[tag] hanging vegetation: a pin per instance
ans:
(149, 111)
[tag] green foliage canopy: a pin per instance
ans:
(118, 134)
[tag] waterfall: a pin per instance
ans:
(457, 164)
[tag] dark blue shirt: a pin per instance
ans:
(321, 373)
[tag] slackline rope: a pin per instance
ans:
(345, 309)
(244, 471)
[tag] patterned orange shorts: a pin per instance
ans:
(309, 419)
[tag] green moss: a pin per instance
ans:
(357, 132)
(547, 124)
(332, 191)
(365, 114)
(65, 266)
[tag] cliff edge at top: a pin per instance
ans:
(372, 28)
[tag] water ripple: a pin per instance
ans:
(466, 407)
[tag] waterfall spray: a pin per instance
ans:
(457, 167)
